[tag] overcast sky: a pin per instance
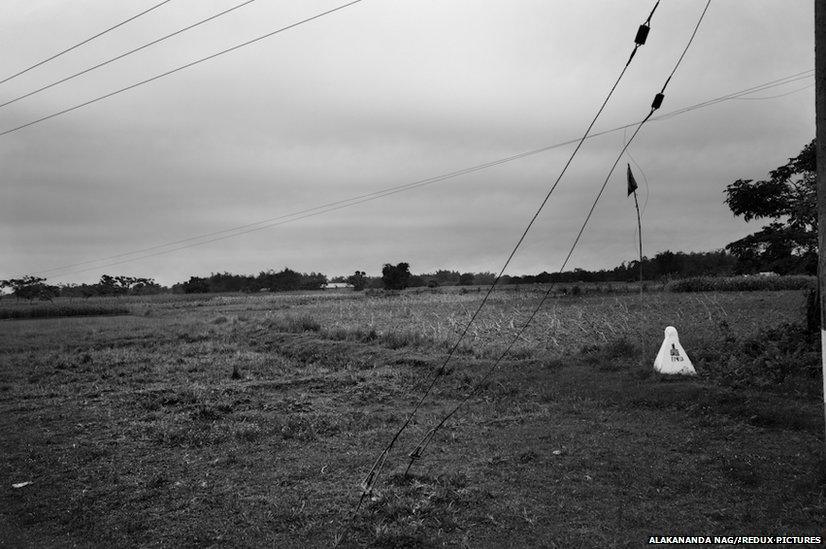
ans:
(378, 95)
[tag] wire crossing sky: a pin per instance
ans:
(232, 232)
(163, 74)
(371, 96)
(127, 53)
(83, 42)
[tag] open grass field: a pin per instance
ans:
(133, 433)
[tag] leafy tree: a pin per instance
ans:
(395, 277)
(109, 286)
(466, 279)
(788, 244)
(312, 281)
(282, 281)
(227, 282)
(445, 277)
(146, 286)
(358, 280)
(484, 279)
(120, 285)
(31, 287)
(196, 285)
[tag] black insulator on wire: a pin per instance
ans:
(642, 34)
(658, 101)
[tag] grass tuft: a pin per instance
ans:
(617, 354)
(413, 508)
(295, 324)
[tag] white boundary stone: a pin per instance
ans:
(672, 358)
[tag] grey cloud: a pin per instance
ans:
(381, 95)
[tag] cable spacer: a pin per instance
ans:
(642, 34)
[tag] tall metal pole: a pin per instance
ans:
(820, 120)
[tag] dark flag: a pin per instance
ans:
(632, 183)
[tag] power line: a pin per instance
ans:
(763, 98)
(428, 437)
(760, 87)
(375, 471)
(688, 45)
(98, 35)
(360, 199)
(126, 54)
(182, 67)
(346, 202)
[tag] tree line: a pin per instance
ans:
(394, 277)
(285, 280)
(664, 265)
(35, 287)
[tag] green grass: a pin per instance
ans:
(132, 431)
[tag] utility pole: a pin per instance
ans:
(820, 121)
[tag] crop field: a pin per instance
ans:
(132, 430)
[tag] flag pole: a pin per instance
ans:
(632, 189)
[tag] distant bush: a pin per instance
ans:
(296, 324)
(742, 283)
(53, 311)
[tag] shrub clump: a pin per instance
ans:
(767, 358)
(617, 354)
(295, 324)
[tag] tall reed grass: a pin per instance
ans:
(742, 283)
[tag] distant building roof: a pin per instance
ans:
(336, 285)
